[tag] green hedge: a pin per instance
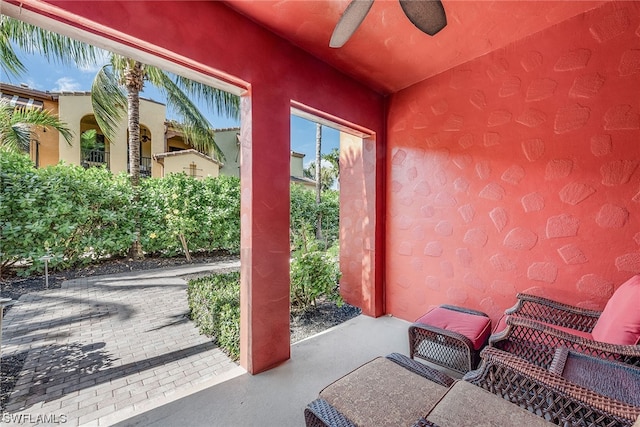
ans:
(214, 304)
(304, 212)
(206, 211)
(214, 301)
(79, 215)
(67, 211)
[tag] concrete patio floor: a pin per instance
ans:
(278, 397)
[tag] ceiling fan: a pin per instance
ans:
(428, 15)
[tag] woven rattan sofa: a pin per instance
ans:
(504, 390)
(535, 327)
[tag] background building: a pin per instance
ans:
(163, 149)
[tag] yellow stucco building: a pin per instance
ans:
(157, 136)
(162, 147)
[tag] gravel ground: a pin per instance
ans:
(303, 324)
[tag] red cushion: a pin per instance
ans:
(474, 327)
(619, 322)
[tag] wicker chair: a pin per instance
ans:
(536, 327)
(537, 342)
(505, 376)
(549, 395)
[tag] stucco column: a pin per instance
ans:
(361, 230)
(264, 252)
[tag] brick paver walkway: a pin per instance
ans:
(108, 345)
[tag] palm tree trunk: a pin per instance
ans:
(134, 82)
(318, 180)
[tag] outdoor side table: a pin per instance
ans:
(450, 336)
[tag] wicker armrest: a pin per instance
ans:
(537, 343)
(320, 413)
(422, 370)
(547, 394)
(554, 312)
(423, 422)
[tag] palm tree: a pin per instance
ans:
(318, 180)
(116, 90)
(18, 126)
(329, 171)
(333, 157)
(116, 87)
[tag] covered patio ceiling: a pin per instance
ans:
(388, 53)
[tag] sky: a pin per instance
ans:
(45, 76)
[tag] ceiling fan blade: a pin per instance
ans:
(428, 15)
(349, 22)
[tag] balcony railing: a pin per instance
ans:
(93, 158)
(145, 167)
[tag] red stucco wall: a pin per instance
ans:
(518, 171)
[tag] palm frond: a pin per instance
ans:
(200, 138)
(195, 126)
(88, 139)
(44, 118)
(12, 138)
(18, 126)
(109, 101)
(9, 62)
(221, 102)
(54, 47)
(16, 140)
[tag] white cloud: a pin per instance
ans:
(89, 68)
(102, 58)
(31, 83)
(325, 164)
(66, 84)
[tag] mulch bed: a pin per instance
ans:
(304, 324)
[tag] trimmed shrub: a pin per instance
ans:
(214, 306)
(214, 300)
(206, 212)
(75, 214)
(81, 215)
(304, 212)
(314, 274)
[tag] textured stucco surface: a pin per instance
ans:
(518, 171)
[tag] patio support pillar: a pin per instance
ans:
(361, 227)
(264, 252)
